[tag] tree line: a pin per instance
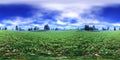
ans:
(47, 27)
(36, 28)
(93, 28)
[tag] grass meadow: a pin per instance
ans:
(60, 45)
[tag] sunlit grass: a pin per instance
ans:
(64, 45)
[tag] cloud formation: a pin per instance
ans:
(59, 13)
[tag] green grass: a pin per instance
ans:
(60, 45)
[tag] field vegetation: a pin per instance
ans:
(60, 45)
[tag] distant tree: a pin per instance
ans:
(5, 28)
(56, 28)
(20, 29)
(16, 28)
(93, 27)
(46, 27)
(36, 28)
(108, 28)
(30, 29)
(89, 28)
(114, 28)
(119, 28)
(103, 29)
(86, 27)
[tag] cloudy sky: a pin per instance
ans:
(59, 13)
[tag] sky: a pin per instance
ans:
(69, 14)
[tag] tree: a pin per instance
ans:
(103, 28)
(20, 29)
(5, 28)
(108, 28)
(114, 28)
(30, 29)
(36, 28)
(16, 28)
(46, 27)
(86, 27)
(93, 27)
(89, 28)
(56, 28)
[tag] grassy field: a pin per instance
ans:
(60, 45)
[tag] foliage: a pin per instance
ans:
(16, 28)
(89, 28)
(46, 27)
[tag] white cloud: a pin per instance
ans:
(70, 14)
(2, 25)
(18, 21)
(60, 22)
(116, 24)
(69, 8)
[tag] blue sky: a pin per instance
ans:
(59, 13)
